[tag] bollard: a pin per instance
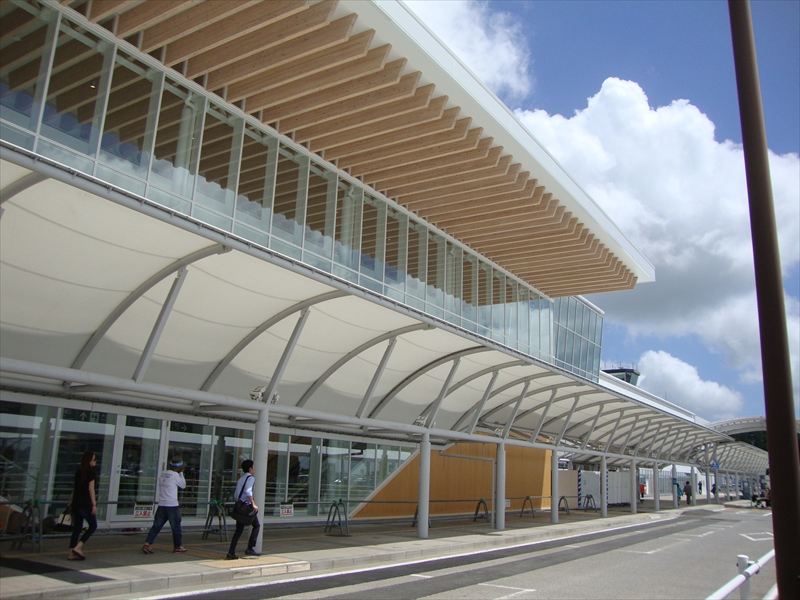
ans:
(742, 561)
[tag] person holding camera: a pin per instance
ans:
(168, 506)
(244, 491)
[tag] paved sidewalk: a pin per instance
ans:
(115, 565)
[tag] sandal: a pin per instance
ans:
(147, 549)
(180, 550)
(75, 555)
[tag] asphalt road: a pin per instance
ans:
(686, 557)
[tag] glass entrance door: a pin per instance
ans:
(193, 442)
(138, 457)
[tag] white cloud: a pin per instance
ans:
(490, 43)
(680, 196)
(678, 382)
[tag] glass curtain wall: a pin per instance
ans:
(82, 101)
(41, 447)
(579, 335)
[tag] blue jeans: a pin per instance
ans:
(78, 515)
(164, 514)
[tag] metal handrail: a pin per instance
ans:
(747, 569)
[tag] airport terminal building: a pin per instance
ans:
(301, 232)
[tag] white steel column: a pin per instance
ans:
(423, 501)
(693, 483)
(708, 488)
(656, 488)
(674, 486)
(603, 487)
(554, 484)
(727, 486)
(260, 451)
(500, 505)
(634, 488)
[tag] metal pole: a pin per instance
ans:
(603, 487)
(742, 562)
(775, 361)
(656, 488)
(693, 485)
(554, 490)
(260, 451)
(500, 504)
(674, 486)
(634, 488)
(424, 486)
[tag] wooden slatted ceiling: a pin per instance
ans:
(311, 77)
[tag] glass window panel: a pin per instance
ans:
(579, 314)
(180, 118)
(592, 325)
(84, 431)
(277, 472)
(291, 184)
(127, 140)
(557, 310)
(511, 299)
(533, 322)
(571, 308)
(20, 65)
(396, 248)
(334, 470)
(561, 343)
(498, 304)
(347, 243)
(138, 464)
(585, 365)
(387, 460)
(219, 160)
(523, 328)
(193, 443)
(469, 304)
(417, 264)
(299, 472)
(436, 270)
(27, 432)
(76, 90)
(598, 333)
(231, 447)
(545, 342)
(320, 211)
(588, 313)
(453, 278)
(256, 179)
(373, 236)
(362, 470)
(595, 362)
(484, 297)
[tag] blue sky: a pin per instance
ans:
(637, 100)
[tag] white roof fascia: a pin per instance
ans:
(396, 24)
(631, 391)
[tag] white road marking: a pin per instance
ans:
(422, 576)
(653, 551)
(758, 537)
(505, 587)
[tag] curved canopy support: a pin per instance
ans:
(223, 364)
(355, 352)
(420, 372)
(140, 291)
(20, 185)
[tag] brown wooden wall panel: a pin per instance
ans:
(527, 474)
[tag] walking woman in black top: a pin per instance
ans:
(84, 505)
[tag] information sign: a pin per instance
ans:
(142, 511)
